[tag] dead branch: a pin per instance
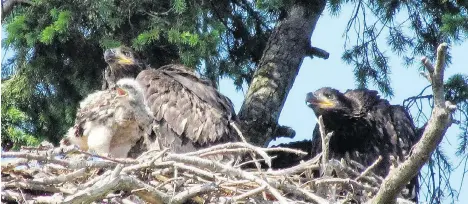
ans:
(191, 192)
(369, 169)
(218, 167)
(164, 177)
(325, 143)
(435, 130)
(317, 52)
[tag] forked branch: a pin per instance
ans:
(435, 130)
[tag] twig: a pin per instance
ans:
(192, 192)
(116, 160)
(122, 182)
(60, 178)
(295, 190)
(325, 143)
(218, 167)
(310, 164)
(249, 193)
(38, 187)
(369, 169)
(255, 149)
(342, 181)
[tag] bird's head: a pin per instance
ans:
(327, 100)
(120, 56)
(123, 60)
(130, 87)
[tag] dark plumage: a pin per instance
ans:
(364, 126)
(189, 113)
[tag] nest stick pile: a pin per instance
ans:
(48, 174)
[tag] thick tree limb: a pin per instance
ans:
(435, 130)
(278, 67)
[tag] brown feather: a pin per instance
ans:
(184, 104)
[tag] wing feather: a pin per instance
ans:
(191, 109)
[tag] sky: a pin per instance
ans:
(333, 72)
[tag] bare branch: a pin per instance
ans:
(435, 130)
(325, 143)
(218, 167)
(312, 164)
(369, 169)
(192, 192)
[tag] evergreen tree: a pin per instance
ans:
(58, 46)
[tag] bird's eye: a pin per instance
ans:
(126, 53)
(327, 95)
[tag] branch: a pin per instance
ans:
(311, 164)
(325, 143)
(350, 182)
(218, 167)
(122, 182)
(60, 178)
(317, 52)
(435, 130)
(192, 192)
(369, 169)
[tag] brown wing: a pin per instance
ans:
(194, 111)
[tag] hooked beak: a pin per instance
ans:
(112, 56)
(313, 101)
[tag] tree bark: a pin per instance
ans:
(283, 55)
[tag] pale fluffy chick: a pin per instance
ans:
(110, 122)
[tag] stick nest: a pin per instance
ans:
(48, 174)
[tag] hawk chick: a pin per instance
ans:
(111, 121)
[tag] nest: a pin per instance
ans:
(48, 174)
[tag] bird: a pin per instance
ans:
(189, 113)
(364, 127)
(111, 121)
(123, 67)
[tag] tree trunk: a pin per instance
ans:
(283, 55)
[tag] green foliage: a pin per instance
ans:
(455, 25)
(16, 125)
(457, 92)
(58, 46)
(14, 133)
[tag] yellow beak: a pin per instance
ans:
(326, 103)
(122, 59)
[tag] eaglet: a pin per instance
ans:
(364, 127)
(111, 121)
